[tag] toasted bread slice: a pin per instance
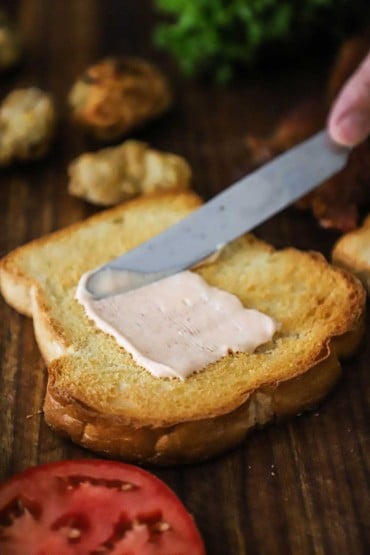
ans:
(352, 251)
(102, 399)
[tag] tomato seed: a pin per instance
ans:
(127, 486)
(74, 533)
(73, 482)
(161, 526)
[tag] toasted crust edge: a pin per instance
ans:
(16, 287)
(188, 442)
(184, 441)
(344, 257)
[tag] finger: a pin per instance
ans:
(349, 120)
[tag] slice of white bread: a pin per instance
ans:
(102, 399)
(352, 251)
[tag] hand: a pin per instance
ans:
(349, 120)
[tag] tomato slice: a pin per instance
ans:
(93, 507)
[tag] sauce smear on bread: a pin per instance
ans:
(178, 325)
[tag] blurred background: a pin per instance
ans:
(249, 79)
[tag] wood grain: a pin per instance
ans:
(298, 487)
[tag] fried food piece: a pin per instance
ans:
(297, 125)
(335, 203)
(10, 46)
(309, 116)
(116, 95)
(27, 124)
(115, 174)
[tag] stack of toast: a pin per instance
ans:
(99, 397)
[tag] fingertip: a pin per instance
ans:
(350, 130)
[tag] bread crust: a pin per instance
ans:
(156, 435)
(187, 442)
(352, 253)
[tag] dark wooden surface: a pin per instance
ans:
(299, 487)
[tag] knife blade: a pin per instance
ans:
(233, 212)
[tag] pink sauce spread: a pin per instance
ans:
(178, 325)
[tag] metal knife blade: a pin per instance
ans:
(238, 209)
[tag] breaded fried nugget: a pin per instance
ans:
(27, 124)
(115, 174)
(114, 96)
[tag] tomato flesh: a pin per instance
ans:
(93, 507)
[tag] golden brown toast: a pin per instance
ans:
(102, 399)
(352, 251)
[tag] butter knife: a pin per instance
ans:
(241, 207)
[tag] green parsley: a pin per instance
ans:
(217, 34)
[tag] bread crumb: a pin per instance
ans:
(28, 416)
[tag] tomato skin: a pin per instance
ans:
(93, 507)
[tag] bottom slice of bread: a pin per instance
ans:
(99, 397)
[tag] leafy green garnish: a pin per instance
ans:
(217, 34)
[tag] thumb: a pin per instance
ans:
(349, 120)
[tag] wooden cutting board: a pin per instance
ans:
(298, 487)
